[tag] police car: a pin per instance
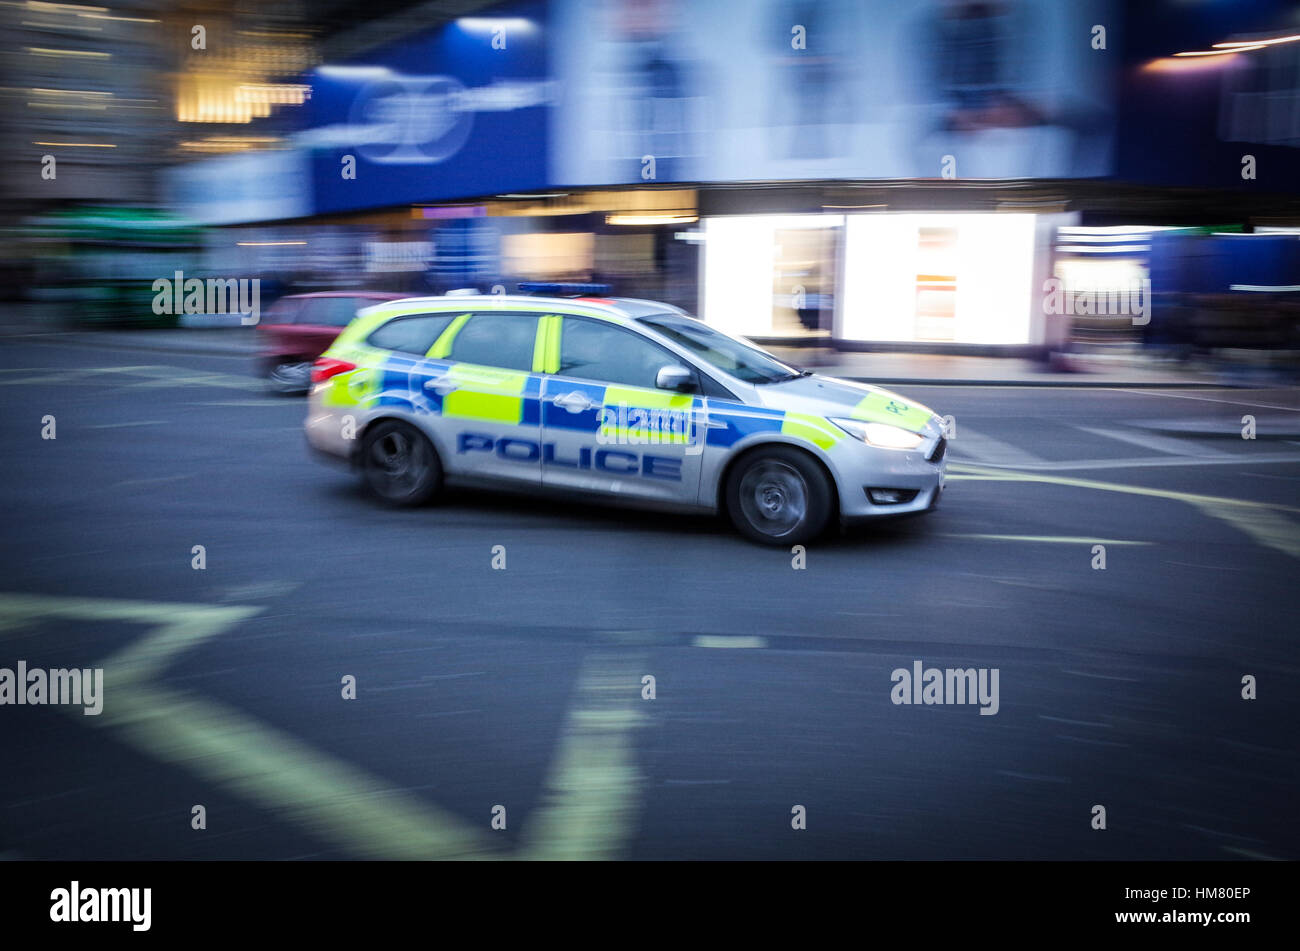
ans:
(624, 399)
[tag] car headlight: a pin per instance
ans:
(880, 435)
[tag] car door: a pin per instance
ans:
(606, 427)
(478, 380)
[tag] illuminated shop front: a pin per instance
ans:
(874, 277)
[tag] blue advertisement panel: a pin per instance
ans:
(713, 90)
(454, 112)
(1225, 113)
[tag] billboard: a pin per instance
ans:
(711, 90)
(449, 113)
(235, 189)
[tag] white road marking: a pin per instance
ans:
(1046, 539)
(1210, 399)
(1175, 447)
(143, 422)
(710, 640)
(986, 449)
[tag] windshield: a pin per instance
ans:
(742, 360)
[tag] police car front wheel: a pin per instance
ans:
(779, 496)
(399, 464)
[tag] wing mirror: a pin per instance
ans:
(673, 377)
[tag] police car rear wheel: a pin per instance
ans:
(399, 464)
(779, 496)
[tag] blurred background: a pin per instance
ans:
(845, 174)
(940, 196)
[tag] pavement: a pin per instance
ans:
(1123, 582)
(1092, 369)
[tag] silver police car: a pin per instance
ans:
(624, 399)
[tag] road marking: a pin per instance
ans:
(593, 788)
(154, 376)
(1259, 520)
(1046, 539)
(989, 450)
(1152, 462)
(1210, 399)
(592, 795)
(1267, 529)
(711, 640)
(157, 480)
(328, 797)
(269, 401)
(1175, 447)
(177, 376)
(57, 378)
(1008, 475)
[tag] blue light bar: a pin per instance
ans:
(548, 289)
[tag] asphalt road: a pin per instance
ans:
(522, 688)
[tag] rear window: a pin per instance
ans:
(414, 334)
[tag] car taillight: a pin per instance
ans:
(325, 367)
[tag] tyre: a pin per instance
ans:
(778, 495)
(399, 464)
(289, 377)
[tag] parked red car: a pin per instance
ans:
(300, 327)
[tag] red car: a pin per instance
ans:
(300, 327)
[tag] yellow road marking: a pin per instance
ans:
(327, 797)
(1248, 516)
(1010, 475)
(593, 788)
(593, 791)
(1272, 530)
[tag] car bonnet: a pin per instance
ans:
(828, 396)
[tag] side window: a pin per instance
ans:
(414, 334)
(711, 387)
(496, 340)
(283, 311)
(593, 350)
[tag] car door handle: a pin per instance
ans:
(441, 384)
(575, 402)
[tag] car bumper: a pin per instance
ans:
(327, 431)
(861, 469)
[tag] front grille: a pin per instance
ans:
(939, 449)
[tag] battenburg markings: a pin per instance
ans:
(619, 462)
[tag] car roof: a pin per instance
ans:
(619, 309)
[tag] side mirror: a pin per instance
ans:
(674, 377)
